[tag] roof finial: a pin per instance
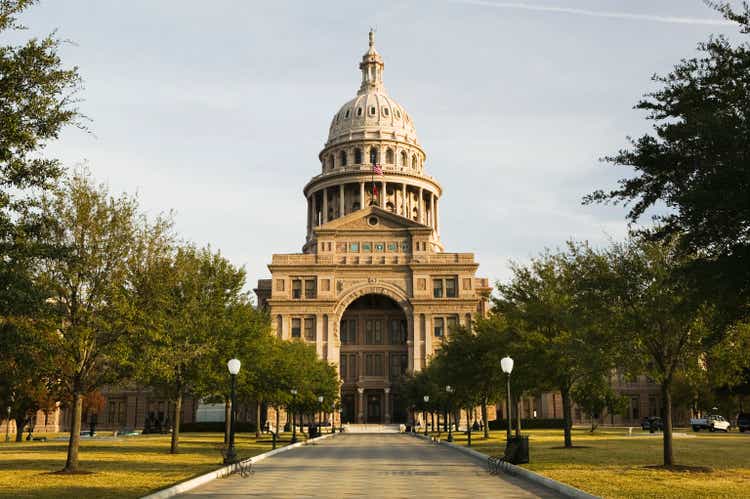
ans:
(372, 36)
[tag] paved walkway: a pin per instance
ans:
(376, 465)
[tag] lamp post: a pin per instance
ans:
(449, 389)
(293, 391)
(234, 367)
(320, 414)
(341, 419)
(506, 363)
(426, 399)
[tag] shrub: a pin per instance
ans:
(216, 426)
(529, 424)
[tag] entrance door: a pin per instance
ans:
(347, 405)
(374, 414)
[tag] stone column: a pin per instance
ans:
(420, 207)
(428, 336)
(309, 216)
(319, 335)
(382, 194)
(437, 225)
(416, 347)
(403, 200)
(432, 210)
(325, 205)
(315, 208)
(361, 195)
(386, 405)
(361, 405)
(341, 200)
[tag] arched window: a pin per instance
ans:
(330, 162)
(389, 206)
(403, 158)
(359, 111)
(415, 214)
(373, 156)
(389, 156)
(347, 113)
(342, 158)
(358, 156)
(414, 161)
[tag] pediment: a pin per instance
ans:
(363, 220)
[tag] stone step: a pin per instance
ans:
(373, 428)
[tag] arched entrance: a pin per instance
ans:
(373, 331)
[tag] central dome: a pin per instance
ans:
(372, 113)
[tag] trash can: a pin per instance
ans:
(517, 450)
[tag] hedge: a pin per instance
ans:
(216, 426)
(530, 424)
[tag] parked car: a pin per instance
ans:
(743, 421)
(711, 423)
(652, 424)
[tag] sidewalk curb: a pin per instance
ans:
(511, 469)
(226, 470)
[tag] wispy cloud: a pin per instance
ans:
(596, 13)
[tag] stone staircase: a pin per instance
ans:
(373, 428)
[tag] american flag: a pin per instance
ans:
(377, 169)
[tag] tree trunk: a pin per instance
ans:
(567, 416)
(484, 419)
(666, 393)
(277, 419)
(71, 464)
(20, 423)
(432, 424)
(227, 417)
(257, 419)
(176, 422)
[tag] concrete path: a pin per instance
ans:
(374, 465)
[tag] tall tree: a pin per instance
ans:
(553, 308)
(195, 291)
(659, 325)
(696, 162)
(91, 288)
(36, 102)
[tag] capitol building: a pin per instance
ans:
(373, 288)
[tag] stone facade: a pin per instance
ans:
(373, 288)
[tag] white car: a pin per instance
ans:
(713, 422)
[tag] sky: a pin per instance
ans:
(217, 110)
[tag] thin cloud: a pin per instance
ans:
(596, 13)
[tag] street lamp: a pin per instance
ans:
(320, 414)
(450, 391)
(234, 367)
(506, 363)
(426, 399)
(293, 391)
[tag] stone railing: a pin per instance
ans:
(374, 259)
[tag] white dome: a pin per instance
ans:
(372, 113)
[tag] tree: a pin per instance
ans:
(91, 288)
(695, 161)
(36, 102)
(595, 394)
(555, 309)
(659, 325)
(195, 290)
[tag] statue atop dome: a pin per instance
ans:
(372, 69)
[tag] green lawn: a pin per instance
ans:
(611, 464)
(126, 467)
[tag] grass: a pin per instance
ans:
(608, 463)
(126, 467)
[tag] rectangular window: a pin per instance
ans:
(373, 332)
(296, 327)
(439, 327)
(296, 289)
(397, 332)
(353, 374)
(450, 287)
(343, 372)
(399, 364)
(452, 323)
(310, 328)
(374, 364)
(437, 288)
(349, 332)
(635, 403)
(279, 284)
(310, 288)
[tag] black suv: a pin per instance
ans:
(652, 424)
(743, 421)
